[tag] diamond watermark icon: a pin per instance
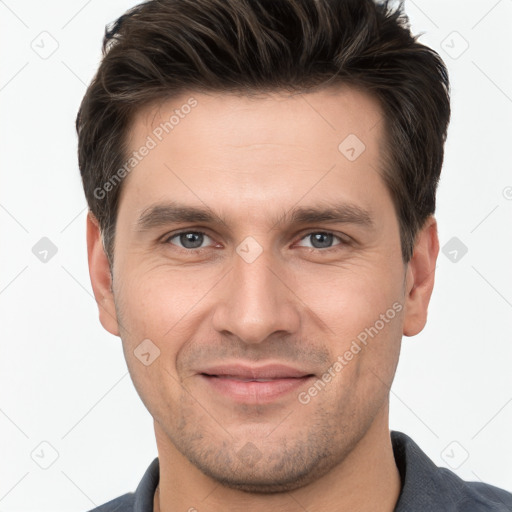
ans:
(454, 44)
(44, 44)
(249, 454)
(44, 250)
(455, 455)
(44, 455)
(454, 249)
(351, 147)
(147, 352)
(249, 249)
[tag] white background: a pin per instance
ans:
(63, 378)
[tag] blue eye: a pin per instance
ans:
(321, 239)
(189, 239)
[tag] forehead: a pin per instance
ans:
(327, 114)
(269, 147)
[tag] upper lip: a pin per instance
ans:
(245, 371)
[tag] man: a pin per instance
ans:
(261, 180)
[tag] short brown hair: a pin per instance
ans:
(162, 48)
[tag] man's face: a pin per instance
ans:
(255, 306)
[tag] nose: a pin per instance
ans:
(257, 301)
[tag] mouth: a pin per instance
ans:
(257, 385)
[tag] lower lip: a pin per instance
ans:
(254, 391)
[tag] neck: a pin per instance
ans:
(366, 480)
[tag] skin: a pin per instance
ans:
(250, 161)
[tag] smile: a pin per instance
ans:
(256, 385)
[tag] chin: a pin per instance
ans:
(257, 483)
(270, 475)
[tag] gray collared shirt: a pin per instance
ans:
(425, 487)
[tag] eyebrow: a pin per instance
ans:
(162, 214)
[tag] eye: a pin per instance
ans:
(188, 239)
(321, 240)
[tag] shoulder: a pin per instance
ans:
(481, 497)
(139, 501)
(429, 488)
(124, 503)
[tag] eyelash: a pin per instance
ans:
(342, 243)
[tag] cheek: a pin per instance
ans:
(361, 312)
(153, 313)
(155, 299)
(352, 298)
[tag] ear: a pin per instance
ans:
(420, 278)
(101, 281)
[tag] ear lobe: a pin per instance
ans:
(99, 272)
(420, 278)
